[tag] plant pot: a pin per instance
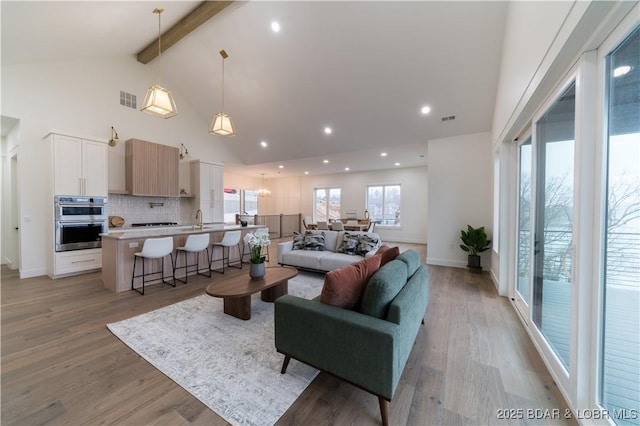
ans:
(256, 271)
(473, 262)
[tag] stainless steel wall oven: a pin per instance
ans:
(79, 221)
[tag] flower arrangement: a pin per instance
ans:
(256, 241)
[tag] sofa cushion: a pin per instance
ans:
(298, 241)
(387, 253)
(314, 241)
(304, 258)
(331, 240)
(349, 243)
(331, 261)
(343, 287)
(412, 259)
(383, 287)
(367, 242)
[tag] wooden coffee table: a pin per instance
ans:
(236, 291)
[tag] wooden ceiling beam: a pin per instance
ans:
(198, 16)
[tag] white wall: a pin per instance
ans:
(460, 194)
(82, 97)
(353, 194)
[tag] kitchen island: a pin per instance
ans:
(119, 245)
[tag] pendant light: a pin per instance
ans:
(221, 124)
(263, 192)
(158, 100)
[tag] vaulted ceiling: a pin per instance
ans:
(363, 68)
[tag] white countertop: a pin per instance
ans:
(157, 231)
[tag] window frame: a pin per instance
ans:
(384, 186)
(327, 190)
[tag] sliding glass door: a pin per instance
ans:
(553, 223)
(523, 266)
(620, 343)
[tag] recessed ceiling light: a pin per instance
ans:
(281, 166)
(425, 110)
(328, 130)
(346, 169)
(263, 144)
(383, 154)
(396, 164)
(621, 70)
(306, 172)
(325, 161)
(275, 27)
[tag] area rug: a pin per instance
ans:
(229, 364)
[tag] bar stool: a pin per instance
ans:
(194, 244)
(154, 248)
(266, 232)
(230, 239)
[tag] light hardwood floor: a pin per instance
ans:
(61, 365)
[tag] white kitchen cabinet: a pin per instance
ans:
(206, 185)
(79, 166)
(70, 262)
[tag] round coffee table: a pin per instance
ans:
(236, 291)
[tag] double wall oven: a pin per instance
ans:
(79, 221)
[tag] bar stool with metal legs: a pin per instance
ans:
(230, 239)
(154, 248)
(194, 244)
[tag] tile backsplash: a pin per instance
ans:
(135, 209)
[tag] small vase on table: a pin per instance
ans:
(256, 271)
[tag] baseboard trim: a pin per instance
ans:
(446, 262)
(30, 273)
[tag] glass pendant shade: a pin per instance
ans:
(159, 102)
(222, 125)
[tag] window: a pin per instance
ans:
(620, 344)
(524, 221)
(383, 203)
(327, 204)
(231, 204)
(250, 201)
(553, 223)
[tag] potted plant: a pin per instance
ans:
(256, 241)
(475, 241)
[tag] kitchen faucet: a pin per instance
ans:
(199, 219)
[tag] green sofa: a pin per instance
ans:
(368, 348)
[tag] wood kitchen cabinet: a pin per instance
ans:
(80, 166)
(151, 169)
(206, 185)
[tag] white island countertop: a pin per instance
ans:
(131, 233)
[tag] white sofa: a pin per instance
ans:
(327, 259)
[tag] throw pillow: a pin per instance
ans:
(343, 287)
(367, 243)
(349, 243)
(387, 253)
(314, 241)
(298, 241)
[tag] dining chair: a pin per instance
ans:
(323, 225)
(337, 226)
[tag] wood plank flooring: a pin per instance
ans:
(60, 365)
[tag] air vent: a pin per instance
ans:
(449, 118)
(128, 100)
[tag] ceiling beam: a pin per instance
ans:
(198, 16)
